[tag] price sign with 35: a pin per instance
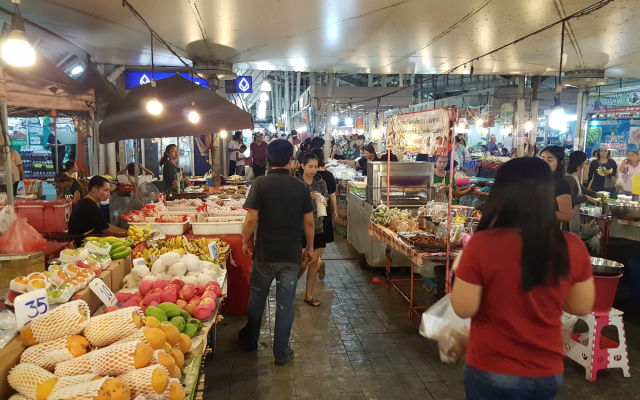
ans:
(31, 305)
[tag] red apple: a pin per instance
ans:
(195, 300)
(209, 293)
(177, 282)
(208, 301)
(160, 283)
(198, 290)
(185, 293)
(169, 296)
(190, 308)
(111, 308)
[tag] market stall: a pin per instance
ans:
(426, 132)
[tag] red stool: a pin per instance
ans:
(596, 352)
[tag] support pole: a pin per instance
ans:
(55, 133)
(287, 104)
(535, 104)
(328, 128)
(136, 168)
(113, 169)
(579, 141)
(8, 176)
(298, 78)
(520, 124)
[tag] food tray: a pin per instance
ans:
(168, 228)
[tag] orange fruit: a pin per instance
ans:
(22, 280)
(37, 283)
(36, 276)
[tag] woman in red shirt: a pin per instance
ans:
(516, 276)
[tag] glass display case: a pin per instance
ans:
(411, 183)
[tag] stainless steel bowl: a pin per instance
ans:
(625, 211)
(604, 267)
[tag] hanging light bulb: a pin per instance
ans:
(223, 134)
(77, 70)
(16, 50)
(375, 135)
(154, 106)
(348, 121)
(265, 86)
(334, 120)
(557, 119)
(479, 122)
(264, 97)
(528, 126)
(194, 117)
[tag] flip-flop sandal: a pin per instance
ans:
(313, 302)
(322, 271)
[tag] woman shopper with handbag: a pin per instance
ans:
(602, 172)
(516, 349)
(319, 194)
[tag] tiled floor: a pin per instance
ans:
(359, 344)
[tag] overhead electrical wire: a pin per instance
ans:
(581, 13)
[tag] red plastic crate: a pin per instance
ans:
(46, 215)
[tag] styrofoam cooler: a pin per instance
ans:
(46, 215)
(168, 228)
(218, 228)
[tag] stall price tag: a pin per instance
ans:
(48, 166)
(213, 250)
(37, 165)
(105, 294)
(30, 305)
(186, 242)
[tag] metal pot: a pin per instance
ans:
(625, 211)
(604, 267)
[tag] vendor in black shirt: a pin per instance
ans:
(87, 217)
(554, 156)
(361, 163)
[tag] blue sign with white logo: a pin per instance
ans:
(244, 84)
(133, 79)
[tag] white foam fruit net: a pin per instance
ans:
(140, 382)
(109, 328)
(65, 320)
(18, 396)
(154, 360)
(82, 391)
(72, 380)
(114, 360)
(24, 378)
(137, 335)
(140, 397)
(47, 355)
(75, 366)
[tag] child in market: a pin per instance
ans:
(240, 160)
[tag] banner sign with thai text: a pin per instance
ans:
(425, 132)
(614, 134)
(614, 103)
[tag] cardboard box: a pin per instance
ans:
(15, 265)
(119, 269)
(10, 356)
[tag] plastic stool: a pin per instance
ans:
(582, 347)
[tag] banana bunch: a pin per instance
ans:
(200, 247)
(139, 235)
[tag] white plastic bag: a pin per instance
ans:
(250, 175)
(568, 323)
(7, 216)
(441, 323)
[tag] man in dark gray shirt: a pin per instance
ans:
(281, 208)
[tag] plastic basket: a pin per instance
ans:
(634, 277)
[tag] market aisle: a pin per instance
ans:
(358, 344)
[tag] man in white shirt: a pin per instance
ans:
(507, 142)
(233, 149)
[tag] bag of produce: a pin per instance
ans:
(100, 389)
(21, 238)
(106, 329)
(24, 379)
(441, 323)
(65, 320)
(47, 355)
(152, 382)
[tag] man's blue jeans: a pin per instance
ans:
(483, 385)
(262, 274)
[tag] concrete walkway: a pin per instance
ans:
(359, 344)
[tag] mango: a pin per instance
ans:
(179, 323)
(152, 311)
(173, 334)
(185, 343)
(176, 391)
(190, 330)
(178, 356)
(170, 309)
